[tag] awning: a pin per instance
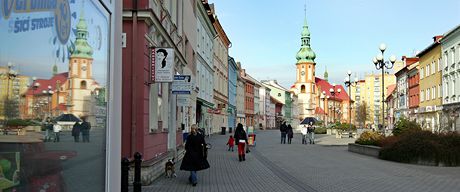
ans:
(205, 103)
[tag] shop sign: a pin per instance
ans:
(162, 64)
(214, 111)
(181, 84)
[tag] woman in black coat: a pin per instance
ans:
(290, 133)
(242, 139)
(194, 159)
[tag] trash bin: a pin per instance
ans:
(230, 129)
(223, 131)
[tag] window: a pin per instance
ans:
(453, 87)
(427, 94)
(433, 92)
(427, 70)
(302, 89)
(421, 73)
(439, 91)
(422, 96)
(83, 85)
(446, 89)
(433, 67)
(439, 64)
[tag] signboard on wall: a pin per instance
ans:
(183, 100)
(162, 64)
(181, 84)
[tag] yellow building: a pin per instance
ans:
(369, 91)
(430, 107)
(11, 88)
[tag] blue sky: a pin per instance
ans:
(345, 34)
(33, 52)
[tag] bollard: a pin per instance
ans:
(125, 174)
(137, 172)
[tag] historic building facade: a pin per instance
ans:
(430, 109)
(450, 47)
(232, 93)
(220, 59)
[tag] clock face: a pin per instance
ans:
(83, 68)
(302, 73)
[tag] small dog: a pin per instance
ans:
(170, 170)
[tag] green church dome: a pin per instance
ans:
(82, 48)
(305, 53)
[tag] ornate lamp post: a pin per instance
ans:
(10, 75)
(380, 64)
(333, 91)
(35, 86)
(349, 84)
(323, 98)
(48, 93)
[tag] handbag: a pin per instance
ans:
(247, 149)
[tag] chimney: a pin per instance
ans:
(437, 39)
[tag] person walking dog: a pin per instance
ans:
(195, 157)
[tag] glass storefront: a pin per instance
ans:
(54, 88)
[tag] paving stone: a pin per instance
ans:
(295, 167)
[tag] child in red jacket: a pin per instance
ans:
(231, 143)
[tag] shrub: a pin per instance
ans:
(369, 138)
(344, 127)
(18, 122)
(422, 146)
(404, 125)
(320, 130)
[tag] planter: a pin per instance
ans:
(364, 149)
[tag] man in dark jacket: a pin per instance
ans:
(194, 159)
(283, 129)
(76, 131)
(242, 139)
(85, 127)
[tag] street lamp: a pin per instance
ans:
(333, 91)
(35, 86)
(323, 98)
(48, 93)
(10, 75)
(380, 64)
(349, 84)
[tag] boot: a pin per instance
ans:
(244, 157)
(240, 158)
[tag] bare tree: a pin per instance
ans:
(362, 114)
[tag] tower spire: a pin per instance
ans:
(326, 75)
(305, 53)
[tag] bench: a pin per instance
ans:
(347, 135)
(13, 131)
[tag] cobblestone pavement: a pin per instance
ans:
(274, 167)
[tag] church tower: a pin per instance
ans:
(305, 73)
(80, 81)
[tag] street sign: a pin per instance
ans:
(162, 64)
(183, 100)
(181, 84)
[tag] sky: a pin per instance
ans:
(33, 52)
(345, 34)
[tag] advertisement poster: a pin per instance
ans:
(54, 71)
(163, 68)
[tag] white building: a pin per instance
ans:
(450, 46)
(240, 91)
(205, 67)
(264, 108)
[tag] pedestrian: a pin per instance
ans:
(194, 159)
(304, 132)
(230, 143)
(48, 125)
(57, 131)
(290, 133)
(311, 134)
(84, 128)
(242, 139)
(76, 129)
(283, 130)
